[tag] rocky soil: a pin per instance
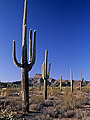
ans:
(59, 105)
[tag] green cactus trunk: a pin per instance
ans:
(45, 89)
(80, 85)
(60, 83)
(71, 81)
(45, 79)
(24, 65)
(80, 80)
(25, 90)
(45, 75)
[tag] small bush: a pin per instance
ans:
(35, 99)
(69, 114)
(8, 91)
(86, 89)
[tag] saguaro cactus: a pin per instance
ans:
(60, 83)
(71, 80)
(80, 80)
(45, 75)
(24, 65)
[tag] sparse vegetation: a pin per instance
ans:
(59, 105)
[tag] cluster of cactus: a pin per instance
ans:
(45, 75)
(24, 65)
(71, 81)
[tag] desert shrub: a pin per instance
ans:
(80, 100)
(86, 89)
(68, 114)
(4, 115)
(48, 103)
(35, 99)
(83, 115)
(33, 107)
(8, 91)
(66, 89)
(55, 91)
(9, 107)
(71, 102)
(36, 107)
(52, 112)
(68, 102)
(43, 117)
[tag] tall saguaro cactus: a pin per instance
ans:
(71, 80)
(24, 65)
(80, 80)
(60, 83)
(45, 75)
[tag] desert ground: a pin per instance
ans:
(60, 105)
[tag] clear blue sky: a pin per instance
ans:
(63, 27)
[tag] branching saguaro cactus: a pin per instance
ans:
(45, 75)
(80, 80)
(24, 65)
(71, 80)
(60, 83)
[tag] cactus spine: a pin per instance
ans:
(80, 80)
(71, 80)
(45, 75)
(60, 83)
(24, 65)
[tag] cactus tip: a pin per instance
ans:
(13, 41)
(34, 30)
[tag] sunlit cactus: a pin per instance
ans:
(24, 65)
(80, 80)
(71, 80)
(60, 83)
(45, 75)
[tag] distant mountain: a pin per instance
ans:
(37, 80)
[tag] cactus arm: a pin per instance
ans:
(49, 70)
(34, 47)
(14, 55)
(43, 70)
(31, 63)
(24, 46)
(30, 46)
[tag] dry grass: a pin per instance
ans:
(86, 89)
(58, 105)
(9, 91)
